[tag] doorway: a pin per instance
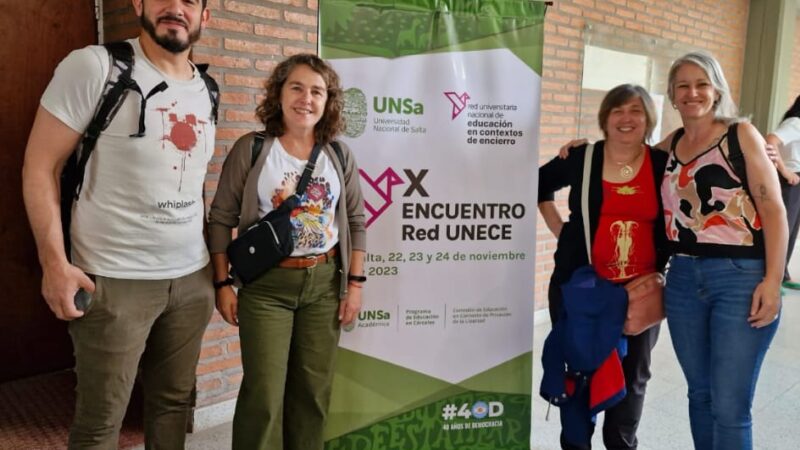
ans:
(36, 35)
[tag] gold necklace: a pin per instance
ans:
(625, 169)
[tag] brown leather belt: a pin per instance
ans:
(304, 262)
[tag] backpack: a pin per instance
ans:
(117, 86)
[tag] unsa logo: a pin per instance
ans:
(373, 315)
(355, 112)
(397, 105)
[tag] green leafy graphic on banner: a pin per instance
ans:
(394, 28)
(369, 392)
(472, 420)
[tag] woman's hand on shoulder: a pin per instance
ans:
(563, 152)
(228, 305)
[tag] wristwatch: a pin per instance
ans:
(358, 278)
(226, 282)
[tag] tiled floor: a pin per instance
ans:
(36, 412)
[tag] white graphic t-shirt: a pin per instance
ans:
(314, 227)
(140, 212)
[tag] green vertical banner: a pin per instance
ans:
(442, 107)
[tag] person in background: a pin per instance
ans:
(289, 318)
(787, 139)
(627, 234)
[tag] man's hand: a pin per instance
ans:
(50, 144)
(59, 285)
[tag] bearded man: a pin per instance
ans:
(137, 245)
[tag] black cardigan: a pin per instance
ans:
(571, 249)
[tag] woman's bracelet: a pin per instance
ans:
(354, 284)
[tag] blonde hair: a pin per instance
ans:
(725, 110)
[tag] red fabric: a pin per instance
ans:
(569, 386)
(623, 244)
(608, 381)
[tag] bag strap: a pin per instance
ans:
(255, 150)
(675, 138)
(291, 202)
(736, 157)
(212, 88)
(310, 165)
(337, 148)
(587, 173)
(118, 82)
(120, 61)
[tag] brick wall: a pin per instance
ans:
(243, 42)
(794, 75)
(718, 26)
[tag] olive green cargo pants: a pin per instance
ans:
(289, 331)
(161, 323)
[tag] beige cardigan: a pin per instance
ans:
(236, 201)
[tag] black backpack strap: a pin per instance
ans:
(122, 51)
(255, 150)
(118, 82)
(121, 61)
(212, 88)
(675, 138)
(736, 157)
(337, 148)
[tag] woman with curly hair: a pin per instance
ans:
(289, 318)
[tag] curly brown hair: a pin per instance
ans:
(269, 110)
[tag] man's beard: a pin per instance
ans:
(169, 42)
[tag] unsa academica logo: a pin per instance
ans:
(355, 112)
(371, 316)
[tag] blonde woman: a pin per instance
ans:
(726, 226)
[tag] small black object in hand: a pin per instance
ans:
(82, 300)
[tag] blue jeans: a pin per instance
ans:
(707, 302)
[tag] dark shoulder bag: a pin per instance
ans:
(269, 240)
